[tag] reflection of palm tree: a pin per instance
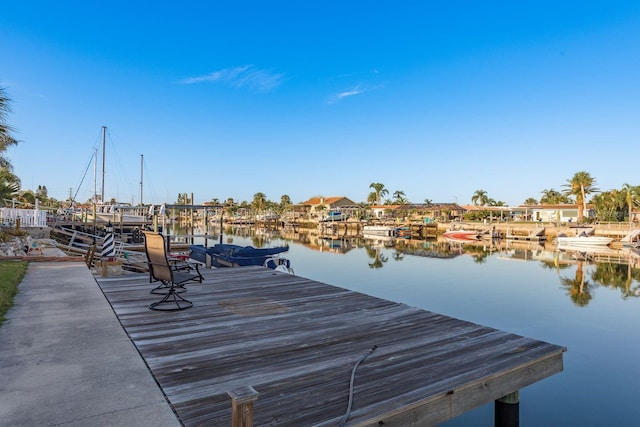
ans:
(480, 257)
(398, 256)
(379, 259)
(579, 289)
(615, 276)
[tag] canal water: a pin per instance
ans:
(585, 301)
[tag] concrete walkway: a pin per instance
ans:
(66, 361)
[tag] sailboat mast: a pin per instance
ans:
(95, 176)
(141, 158)
(104, 134)
(95, 187)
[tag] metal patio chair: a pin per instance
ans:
(171, 280)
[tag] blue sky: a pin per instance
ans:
(305, 98)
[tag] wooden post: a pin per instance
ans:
(507, 410)
(221, 226)
(242, 406)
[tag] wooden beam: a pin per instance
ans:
(242, 399)
(448, 405)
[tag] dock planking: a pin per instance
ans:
(296, 341)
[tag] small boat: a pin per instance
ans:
(632, 239)
(227, 255)
(582, 240)
(334, 215)
(468, 235)
(116, 214)
(380, 230)
(601, 250)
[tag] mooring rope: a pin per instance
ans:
(353, 376)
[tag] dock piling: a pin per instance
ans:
(242, 399)
(507, 410)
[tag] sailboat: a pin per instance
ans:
(122, 214)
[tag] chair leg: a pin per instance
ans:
(163, 289)
(200, 277)
(172, 301)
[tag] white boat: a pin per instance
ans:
(380, 230)
(632, 239)
(602, 250)
(120, 214)
(584, 240)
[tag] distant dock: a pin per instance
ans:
(295, 342)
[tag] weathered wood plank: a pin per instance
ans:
(295, 341)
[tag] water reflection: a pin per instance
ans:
(375, 254)
(580, 269)
(581, 299)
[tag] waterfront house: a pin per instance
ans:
(559, 213)
(496, 213)
(316, 207)
(418, 211)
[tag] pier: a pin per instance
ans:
(282, 348)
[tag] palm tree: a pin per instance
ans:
(6, 140)
(480, 198)
(398, 197)
(581, 185)
(380, 191)
(27, 198)
(553, 197)
(631, 195)
(183, 199)
(531, 201)
(259, 200)
(9, 186)
(372, 198)
(285, 200)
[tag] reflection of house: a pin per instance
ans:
(561, 213)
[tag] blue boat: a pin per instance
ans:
(334, 215)
(227, 255)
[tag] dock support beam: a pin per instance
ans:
(242, 406)
(507, 410)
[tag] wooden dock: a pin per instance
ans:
(296, 341)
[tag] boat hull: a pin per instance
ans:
(380, 230)
(226, 255)
(462, 235)
(585, 241)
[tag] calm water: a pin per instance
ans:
(591, 308)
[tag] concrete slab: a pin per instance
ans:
(65, 359)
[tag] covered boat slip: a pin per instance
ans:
(296, 342)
